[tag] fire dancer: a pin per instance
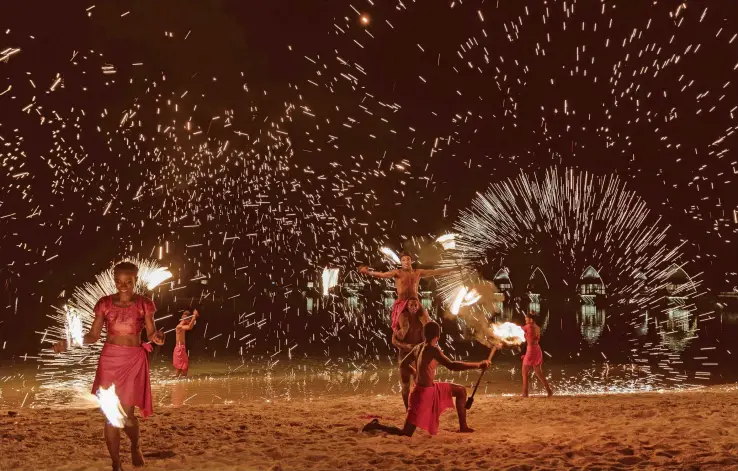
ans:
(533, 354)
(180, 359)
(124, 359)
(408, 335)
(430, 398)
(406, 282)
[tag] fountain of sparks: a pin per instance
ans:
(329, 279)
(592, 220)
(76, 317)
(390, 255)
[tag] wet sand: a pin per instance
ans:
(677, 430)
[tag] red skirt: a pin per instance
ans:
(180, 360)
(397, 308)
(533, 356)
(128, 369)
(427, 404)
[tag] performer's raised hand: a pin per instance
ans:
(60, 346)
(363, 269)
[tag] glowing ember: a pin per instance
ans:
(73, 327)
(447, 241)
(509, 333)
(390, 254)
(155, 277)
(464, 297)
(365, 19)
(456, 305)
(330, 279)
(471, 297)
(110, 405)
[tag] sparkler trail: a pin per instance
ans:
(582, 220)
(80, 311)
(251, 201)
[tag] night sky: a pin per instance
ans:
(266, 140)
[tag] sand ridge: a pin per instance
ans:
(687, 430)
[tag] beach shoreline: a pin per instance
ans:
(671, 430)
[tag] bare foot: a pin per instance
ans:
(137, 457)
(466, 429)
(523, 396)
(117, 466)
(371, 426)
(550, 393)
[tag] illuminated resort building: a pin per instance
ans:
(591, 320)
(537, 286)
(590, 286)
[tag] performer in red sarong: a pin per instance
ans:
(533, 354)
(180, 360)
(124, 359)
(408, 334)
(406, 282)
(430, 398)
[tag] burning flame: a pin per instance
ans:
(156, 277)
(509, 333)
(387, 252)
(465, 297)
(110, 405)
(73, 327)
(447, 241)
(456, 305)
(330, 279)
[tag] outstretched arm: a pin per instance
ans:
(457, 365)
(364, 270)
(439, 271)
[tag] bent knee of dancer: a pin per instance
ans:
(459, 391)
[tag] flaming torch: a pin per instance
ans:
(390, 254)
(506, 333)
(330, 279)
(110, 405)
(73, 327)
(447, 241)
(156, 277)
(464, 297)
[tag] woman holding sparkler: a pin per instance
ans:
(124, 361)
(533, 354)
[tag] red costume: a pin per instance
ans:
(397, 308)
(533, 353)
(180, 361)
(427, 404)
(125, 367)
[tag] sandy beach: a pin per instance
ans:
(686, 430)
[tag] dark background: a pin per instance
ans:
(290, 223)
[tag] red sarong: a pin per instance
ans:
(180, 361)
(533, 356)
(397, 308)
(427, 404)
(128, 369)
